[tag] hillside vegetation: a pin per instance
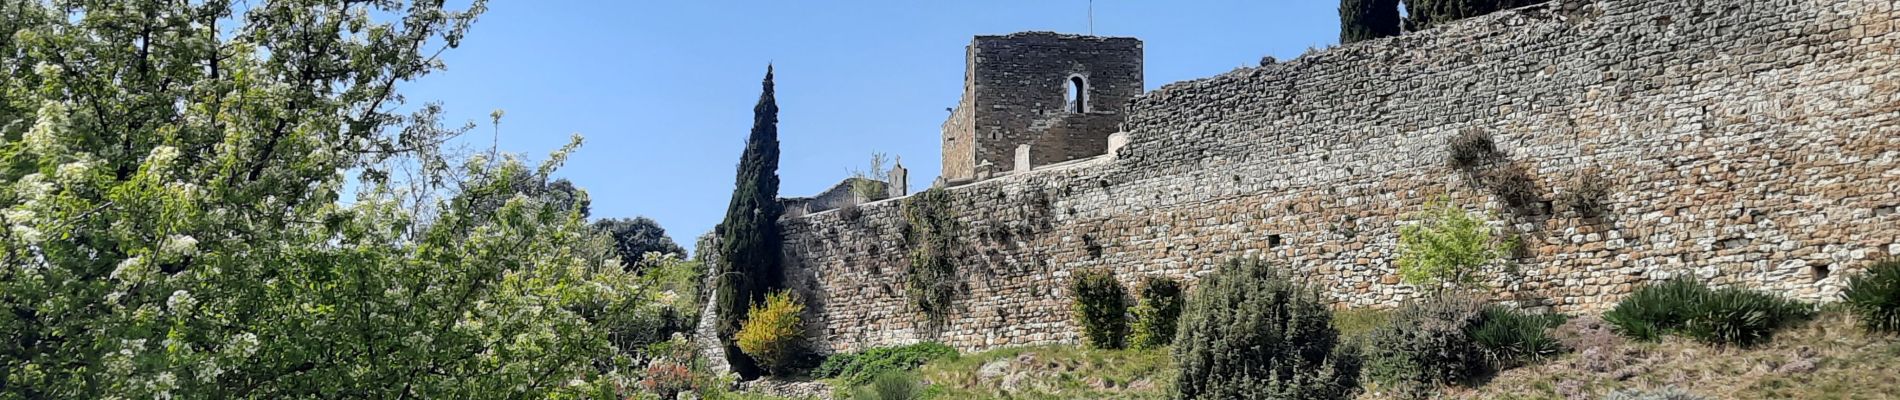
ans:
(1824, 359)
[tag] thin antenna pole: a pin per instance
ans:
(1091, 17)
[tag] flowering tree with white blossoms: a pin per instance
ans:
(173, 221)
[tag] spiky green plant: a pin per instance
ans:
(1874, 297)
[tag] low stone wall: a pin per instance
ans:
(1746, 142)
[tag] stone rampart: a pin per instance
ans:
(1745, 142)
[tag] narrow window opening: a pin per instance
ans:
(1818, 271)
(1078, 95)
(1273, 241)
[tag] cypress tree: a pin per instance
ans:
(1424, 14)
(749, 250)
(1367, 19)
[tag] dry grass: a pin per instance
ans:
(1052, 372)
(1828, 358)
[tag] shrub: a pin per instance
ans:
(1101, 309)
(1250, 332)
(1448, 245)
(1730, 316)
(1510, 338)
(668, 379)
(1588, 194)
(1734, 316)
(870, 185)
(890, 386)
(1471, 149)
(1158, 313)
(1874, 297)
(1598, 347)
(859, 368)
(1427, 344)
(770, 333)
(1656, 309)
(1512, 185)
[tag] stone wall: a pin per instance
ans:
(839, 195)
(1746, 142)
(1014, 93)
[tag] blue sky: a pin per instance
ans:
(663, 90)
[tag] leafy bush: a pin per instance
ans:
(1875, 297)
(1734, 316)
(771, 332)
(890, 386)
(1510, 338)
(1251, 332)
(1656, 309)
(1158, 313)
(870, 185)
(858, 368)
(1448, 245)
(1730, 316)
(668, 379)
(1428, 344)
(1101, 308)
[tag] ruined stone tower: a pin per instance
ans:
(1060, 95)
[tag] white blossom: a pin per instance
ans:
(17, 215)
(46, 69)
(33, 187)
(183, 245)
(244, 344)
(43, 138)
(129, 268)
(162, 156)
(163, 385)
(27, 234)
(72, 171)
(179, 301)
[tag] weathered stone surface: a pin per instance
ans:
(1015, 93)
(1747, 142)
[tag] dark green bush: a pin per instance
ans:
(1510, 338)
(1428, 344)
(858, 368)
(1733, 316)
(1453, 339)
(1250, 332)
(1875, 297)
(890, 386)
(1656, 309)
(1158, 313)
(1101, 308)
(1682, 306)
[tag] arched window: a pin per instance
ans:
(1077, 95)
